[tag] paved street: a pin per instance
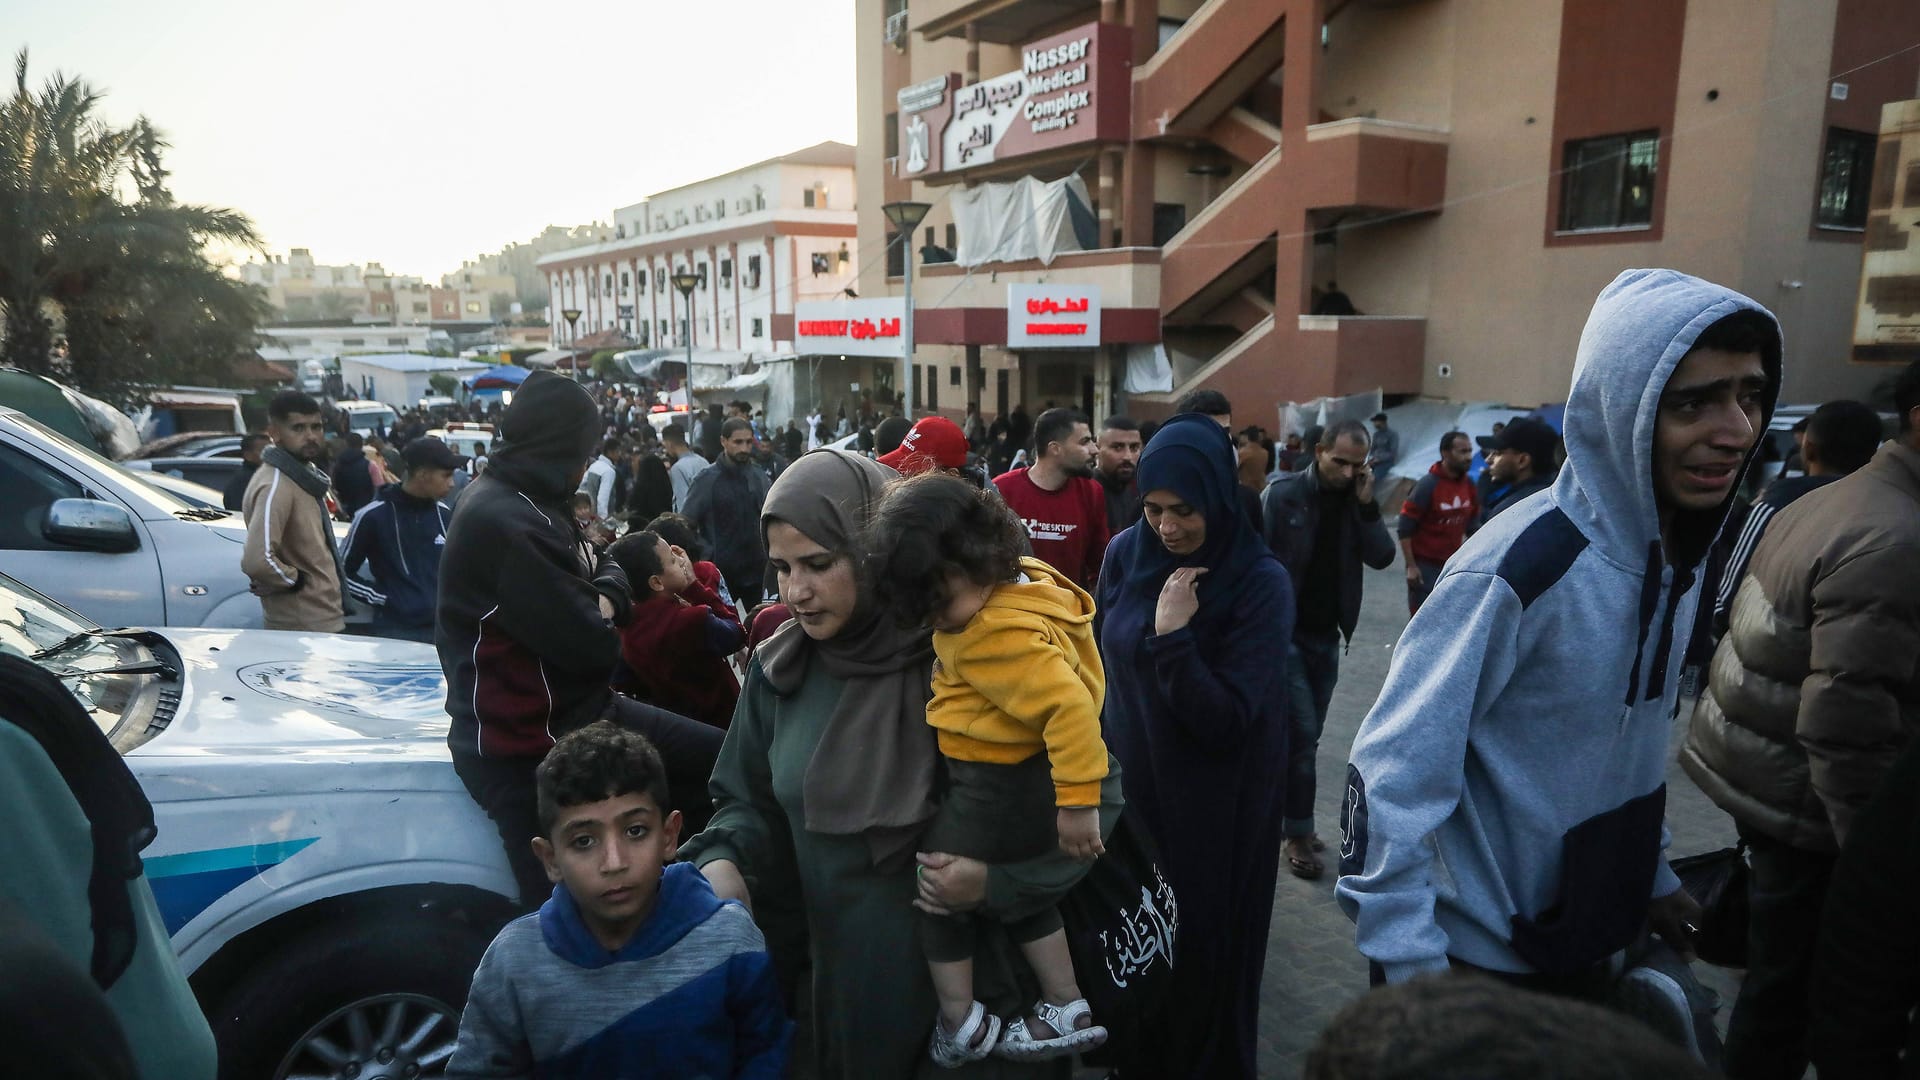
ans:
(1312, 968)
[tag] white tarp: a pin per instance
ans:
(1297, 416)
(1148, 370)
(1025, 219)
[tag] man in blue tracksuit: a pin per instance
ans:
(1505, 798)
(400, 536)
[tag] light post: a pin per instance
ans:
(572, 315)
(906, 217)
(685, 280)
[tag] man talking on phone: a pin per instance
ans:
(1322, 523)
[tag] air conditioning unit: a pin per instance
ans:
(896, 33)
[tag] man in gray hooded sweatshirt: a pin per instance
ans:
(1505, 798)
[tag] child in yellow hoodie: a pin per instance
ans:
(1017, 690)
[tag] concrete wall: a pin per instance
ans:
(1391, 62)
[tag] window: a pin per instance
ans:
(663, 329)
(1846, 176)
(28, 490)
(701, 272)
(1608, 182)
(640, 282)
(706, 324)
(933, 386)
(296, 342)
(719, 208)
(397, 341)
(822, 263)
(352, 341)
(726, 270)
(419, 308)
(806, 198)
(473, 307)
(1168, 220)
(756, 328)
(626, 282)
(384, 308)
(896, 254)
(892, 128)
(660, 280)
(753, 272)
(953, 374)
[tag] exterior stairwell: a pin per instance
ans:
(1225, 246)
(1187, 378)
(1208, 66)
(1244, 135)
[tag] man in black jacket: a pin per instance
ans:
(526, 630)
(399, 537)
(251, 446)
(352, 480)
(725, 502)
(1521, 460)
(1323, 523)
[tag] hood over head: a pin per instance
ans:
(549, 431)
(1193, 456)
(1641, 327)
(1046, 592)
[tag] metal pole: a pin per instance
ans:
(906, 329)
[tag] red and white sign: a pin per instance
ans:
(1073, 87)
(1053, 316)
(850, 327)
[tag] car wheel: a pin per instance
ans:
(358, 1001)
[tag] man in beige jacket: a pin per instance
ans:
(1813, 691)
(289, 555)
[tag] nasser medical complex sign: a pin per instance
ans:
(1073, 87)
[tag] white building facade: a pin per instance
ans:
(760, 239)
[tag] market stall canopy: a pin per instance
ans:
(503, 377)
(650, 363)
(547, 358)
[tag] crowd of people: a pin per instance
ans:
(896, 703)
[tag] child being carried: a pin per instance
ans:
(1017, 689)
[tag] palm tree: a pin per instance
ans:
(90, 235)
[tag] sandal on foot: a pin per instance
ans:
(1021, 1043)
(977, 1037)
(1306, 866)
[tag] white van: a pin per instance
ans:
(367, 416)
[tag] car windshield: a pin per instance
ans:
(66, 644)
(154, 498)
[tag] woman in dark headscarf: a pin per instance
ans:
(828, 775)
(1195, 614)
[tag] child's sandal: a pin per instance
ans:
(960, 1048)
(1020, 1044)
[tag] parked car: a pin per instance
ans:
(326, 881)
(211, 472)
(365, 416)
(195, 444)
(199, 495)
(123, 552)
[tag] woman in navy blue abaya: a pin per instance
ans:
(1195, 616)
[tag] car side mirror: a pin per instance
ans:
(90, 524)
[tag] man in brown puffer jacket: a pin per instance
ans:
(1812, 694)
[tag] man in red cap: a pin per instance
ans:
(934, 443)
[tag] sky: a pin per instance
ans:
(418, 133)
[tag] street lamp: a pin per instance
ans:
(572, 315)
(905, 217)
(685, 280)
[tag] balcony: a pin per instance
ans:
(1003, 22)
(1350, 353)
(1374, 164)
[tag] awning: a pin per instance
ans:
(548, 358)
(647, 363)
(189, 399)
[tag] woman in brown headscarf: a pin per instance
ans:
(828, 775)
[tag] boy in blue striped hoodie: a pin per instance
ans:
(633, 968)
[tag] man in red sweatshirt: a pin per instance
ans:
(1437, 515)
(1062, 506)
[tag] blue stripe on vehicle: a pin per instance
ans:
(186, 884)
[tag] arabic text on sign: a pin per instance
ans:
(857, 329)
(1067, 329)
(1049, 306)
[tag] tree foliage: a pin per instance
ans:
(91, 240)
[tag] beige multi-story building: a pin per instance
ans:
(1468, 173)
(304, 291)
(759, 239)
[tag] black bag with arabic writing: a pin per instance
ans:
(1122, 922)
